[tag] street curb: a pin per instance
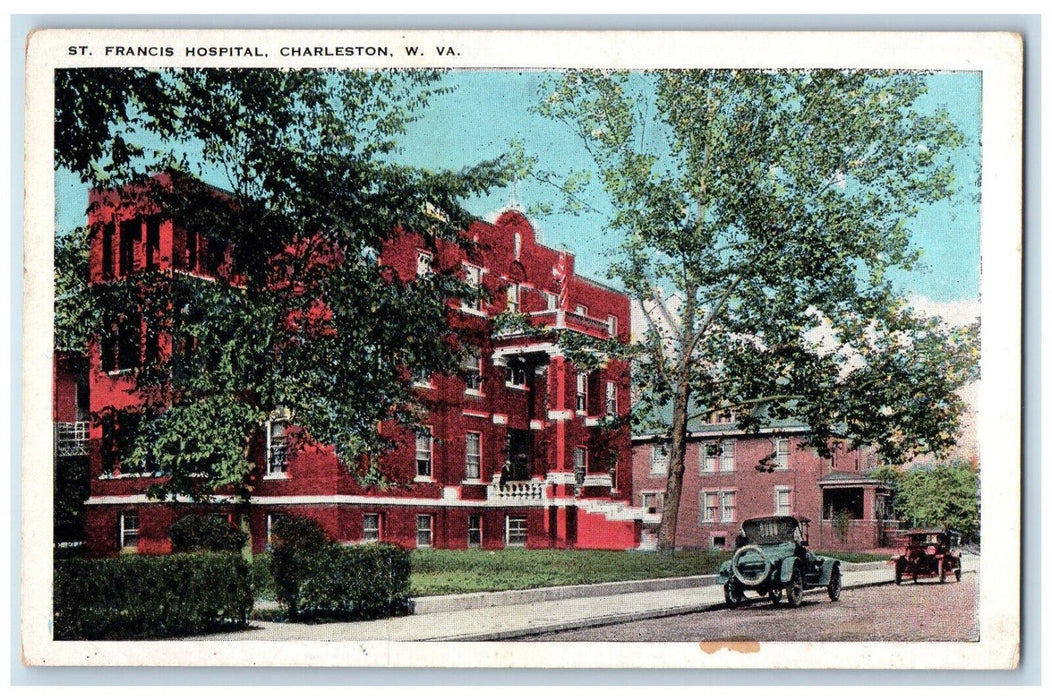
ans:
(493, 599)
(426, 605)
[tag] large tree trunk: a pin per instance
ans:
(676, 466)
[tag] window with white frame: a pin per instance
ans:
(129, 529)
(582, 392)
(719, 417)
(515, 531)
(423, 263)
(727, 503)
(471, 368)
(581, 310)
(611, 398)
(424, 530)
(781, 453)
(709, 506)
(659, 458)
(783, 504)
(515, 375)
(710, 454)
(474, 531)
(473, 456)
(727, 456)
(611, 325)
(424, 441)
(473, 277)
(371, 528)
(277, 448)
(652, 502)
(580, 464)
(551, 301)
(513, 298)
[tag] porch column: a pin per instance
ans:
(869, 503)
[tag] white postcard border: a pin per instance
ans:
(996, 55)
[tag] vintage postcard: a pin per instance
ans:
(449, 348)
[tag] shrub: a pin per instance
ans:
(361, 583)
(298, 543)
(841, 524)
(197, 533)
(138, 597)
(315, 577)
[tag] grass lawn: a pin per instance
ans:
(444, 572)
(855, 557)
(441, 572)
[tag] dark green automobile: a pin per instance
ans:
(771, 558)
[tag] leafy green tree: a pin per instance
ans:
(761, 212)
(307, 317)
(941, 495)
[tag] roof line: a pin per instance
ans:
(601, 285)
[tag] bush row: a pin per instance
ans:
(137, 597)
(315, 577)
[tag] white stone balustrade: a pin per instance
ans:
(518, 491)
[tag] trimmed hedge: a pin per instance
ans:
(363, 582)
(195, 533)
(315, 577)
(140, 597)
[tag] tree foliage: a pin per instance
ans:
(761, 212)
(306, 317)
(945, 494)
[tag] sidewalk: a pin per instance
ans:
(495, 616)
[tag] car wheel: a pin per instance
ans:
(898, 573)
(794, 592)
(835, 585)
(957, 571)
(736, 561)
(941, 569)
(733, 593)
(775, 594)
(915, 576)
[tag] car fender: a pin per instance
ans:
(828, 566)
(724, 574)
(786, 569)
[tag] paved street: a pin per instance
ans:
(871, 608)
(926, 611)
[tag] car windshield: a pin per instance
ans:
(770, 531)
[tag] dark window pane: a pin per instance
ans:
(107, 250)
(131, 231)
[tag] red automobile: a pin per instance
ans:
(929, 554)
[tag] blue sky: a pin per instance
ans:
(488, 109)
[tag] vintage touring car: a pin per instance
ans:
(929, 553)
(771, 558)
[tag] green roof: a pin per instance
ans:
(663, 416)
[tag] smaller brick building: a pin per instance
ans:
(731, 476)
